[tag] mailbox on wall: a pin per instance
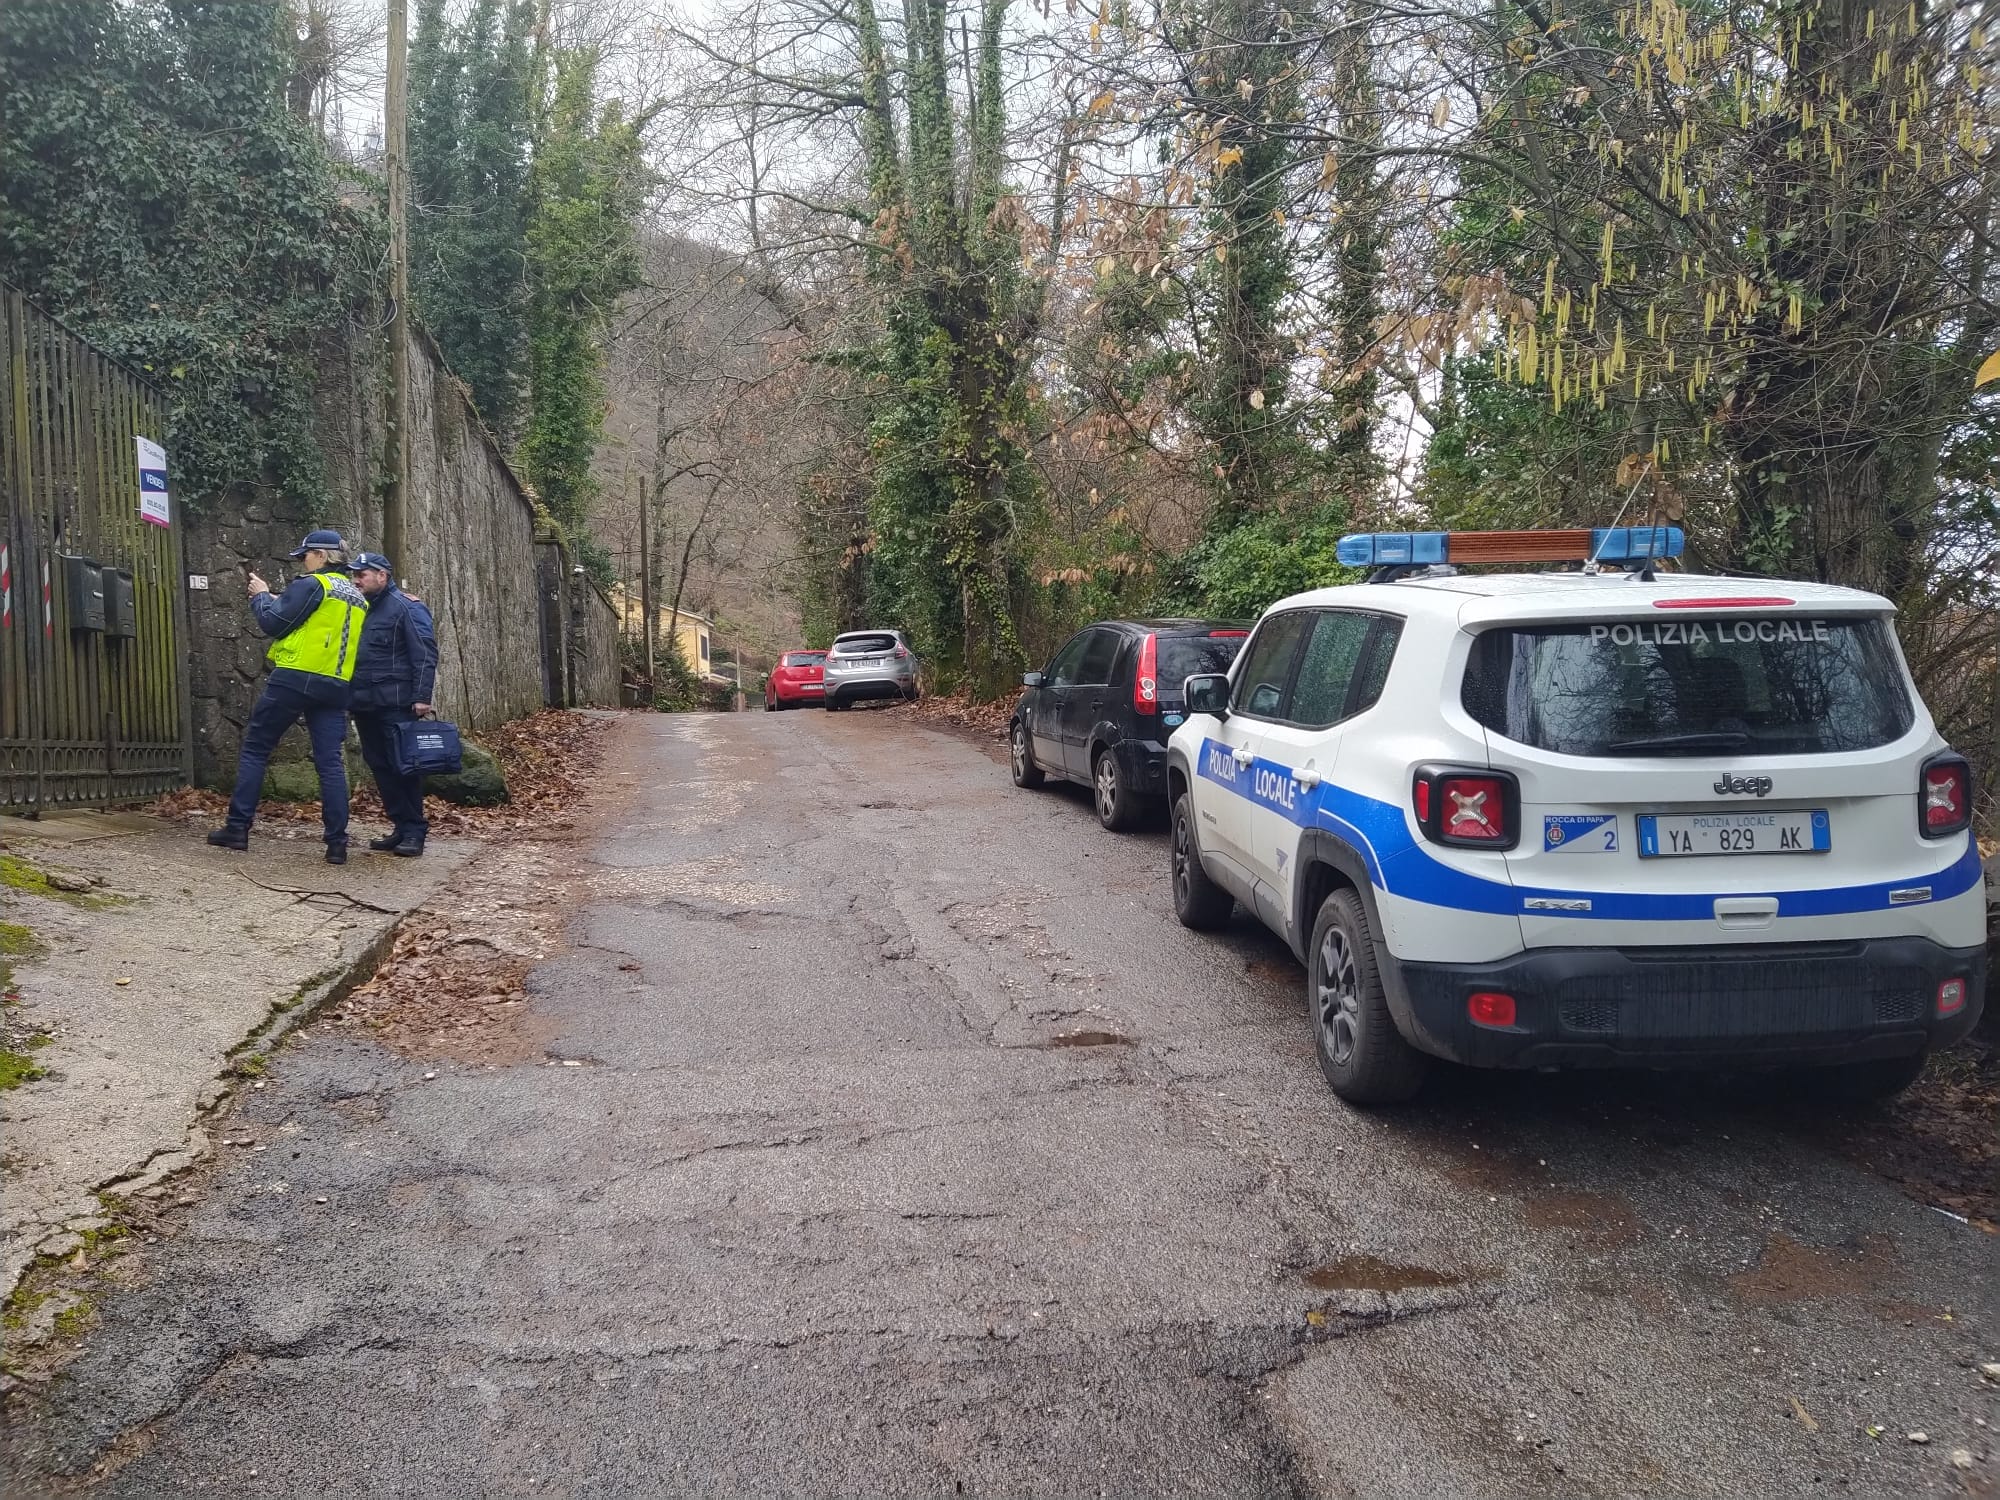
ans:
(121, 604)
(83, 588)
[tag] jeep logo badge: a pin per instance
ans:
(1756, 786)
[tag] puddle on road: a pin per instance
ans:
(1609, 1220)
(1793, 1272)
(1370, 1273)
(1088, 1039)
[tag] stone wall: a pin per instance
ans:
(472, 557)
(580, 664)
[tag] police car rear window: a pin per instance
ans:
(1769, 686)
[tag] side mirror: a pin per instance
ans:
(1207, 693)
(1031, 679)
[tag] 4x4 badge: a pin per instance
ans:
(1756, 786)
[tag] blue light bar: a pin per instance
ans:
(1607, 544)
(1374, 549)
(1618, 544)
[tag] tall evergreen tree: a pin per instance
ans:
(470, 128)
(1241, 106)
(584, 192)
(951, 359)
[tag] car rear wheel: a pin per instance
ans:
(1117, 807)
(1198, 901)
(1364, 1058)
(1021, 757)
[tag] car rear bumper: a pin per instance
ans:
(1775, 1004)
(855, 689)
(1144, 764)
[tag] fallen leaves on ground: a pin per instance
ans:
(549, 760)
(962, 712)
(455, 982)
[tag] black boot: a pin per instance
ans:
(336, 854)
(387, 842)
(412, 847)
(229, 836)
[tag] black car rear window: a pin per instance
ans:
(1185, 656)
(1770, 686)
(863, 645)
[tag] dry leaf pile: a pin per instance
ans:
(455, 983)
(549, 759)
(961, 712)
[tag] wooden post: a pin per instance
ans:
(646, 583)
(395, 148)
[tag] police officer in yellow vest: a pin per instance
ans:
(316, 629)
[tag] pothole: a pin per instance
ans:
(1370, 1273)
(1088, 1039)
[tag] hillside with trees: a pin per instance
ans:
(984, 320)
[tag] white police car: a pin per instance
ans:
(1586, 818)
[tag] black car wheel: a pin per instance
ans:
(1365, 1059)
(1117, 807)
(1198, 901)
(1021, 756)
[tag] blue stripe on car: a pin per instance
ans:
(1401, 866)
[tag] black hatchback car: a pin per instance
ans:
(1099, 714)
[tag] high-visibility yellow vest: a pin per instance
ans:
(330, 639)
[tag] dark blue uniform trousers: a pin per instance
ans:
(281, 705)
(402, 796)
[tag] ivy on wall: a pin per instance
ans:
(157, 194)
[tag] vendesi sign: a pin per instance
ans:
(153, 483)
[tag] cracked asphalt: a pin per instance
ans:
(910, 1147)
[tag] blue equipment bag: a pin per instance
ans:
(428, 747)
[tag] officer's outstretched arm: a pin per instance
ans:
(281, 614)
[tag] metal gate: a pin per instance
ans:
(93, 677)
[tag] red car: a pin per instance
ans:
(799, 677)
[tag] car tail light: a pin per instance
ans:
(1145, 688)
(1487, 1009)
(1468, 809)
(1228, 635)
(1951, 997)
(1741, 601)
(902, 652)
(1944, 796)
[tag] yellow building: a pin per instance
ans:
(696, 635)
(695, 632)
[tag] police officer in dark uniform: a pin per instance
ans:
(393, 685)
(315, 625)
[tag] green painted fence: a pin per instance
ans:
(92, 712)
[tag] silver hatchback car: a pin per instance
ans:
(870, 664)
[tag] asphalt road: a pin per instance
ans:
(839, 1201)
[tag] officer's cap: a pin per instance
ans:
(366, 560)
(320, 541)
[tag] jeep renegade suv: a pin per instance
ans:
(1587, 818)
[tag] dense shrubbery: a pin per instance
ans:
(157, 194)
